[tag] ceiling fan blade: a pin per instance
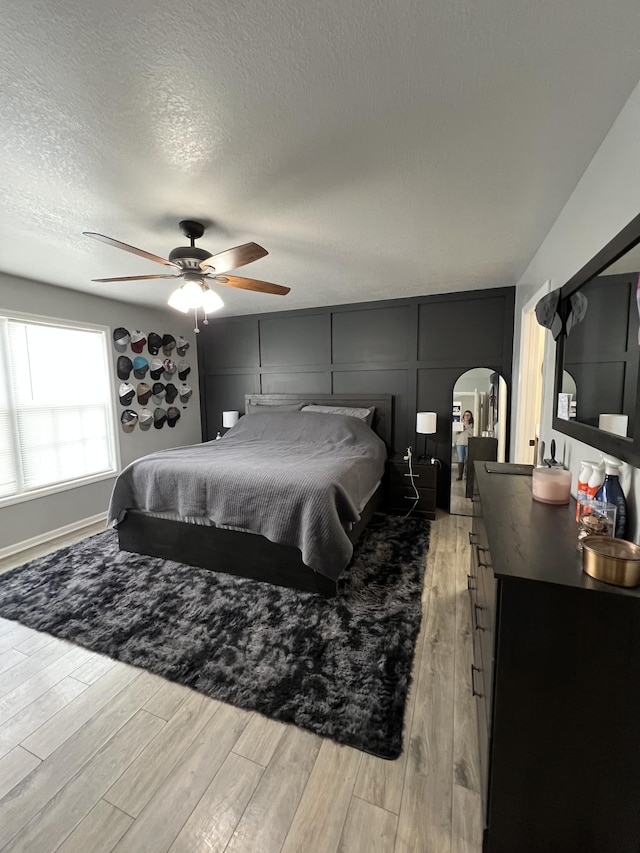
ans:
(231, 259)
(135, 277)
(127, 248)
(252, 284)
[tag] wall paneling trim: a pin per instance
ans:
(412, 348)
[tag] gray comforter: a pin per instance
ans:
(296, 478)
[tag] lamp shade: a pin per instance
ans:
(426, 422)
(230, 419)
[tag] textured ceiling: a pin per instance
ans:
(377, 149)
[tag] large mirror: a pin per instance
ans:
(478, 430)
(597, 363)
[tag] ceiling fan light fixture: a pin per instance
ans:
(178, 301)
(211, 301)
(193, 296)
(192, 293)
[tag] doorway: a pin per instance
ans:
(532, 343)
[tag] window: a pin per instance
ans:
(56, 420)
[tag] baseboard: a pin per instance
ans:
(52, 535)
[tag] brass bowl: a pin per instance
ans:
(611, 560)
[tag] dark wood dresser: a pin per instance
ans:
(480, 447)
(401, 494)
(556, 676)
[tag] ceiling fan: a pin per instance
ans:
(197, 268)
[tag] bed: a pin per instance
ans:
(312, 481)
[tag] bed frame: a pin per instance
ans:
(251, 555)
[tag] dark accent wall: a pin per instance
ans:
(412, 348)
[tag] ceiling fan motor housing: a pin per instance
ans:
(189, 257)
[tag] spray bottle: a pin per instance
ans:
(611, 492)
(586, 469)
(595, 480)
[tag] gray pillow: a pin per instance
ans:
(362, 414)
(266, 408)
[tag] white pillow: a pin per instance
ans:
(365, 415)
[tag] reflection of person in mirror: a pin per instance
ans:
(462, 441)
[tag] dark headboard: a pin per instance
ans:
(382, 419)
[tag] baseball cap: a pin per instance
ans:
(185, 392)
(143, 393)
(182, 346)
(121, 340)
(168, 344)
(547, 313)
(183, 370)
(154, 342)
(124, 367)
(128, 419)
(171, 392)
(169, 368)
(158, 391)
(159, 417)
(145, 419)
(140, 367)
(579, 305)
(138, 340)
(156, 368)
(173, 416)
(126, 393)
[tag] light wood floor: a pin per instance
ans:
(98, 756)
(460, 504)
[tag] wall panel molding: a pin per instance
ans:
(412, 348)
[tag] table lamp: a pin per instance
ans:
(230, 419)
(426, 423)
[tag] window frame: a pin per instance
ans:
(64, 323)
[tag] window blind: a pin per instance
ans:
(56, 401)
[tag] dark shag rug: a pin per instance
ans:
(339, 667)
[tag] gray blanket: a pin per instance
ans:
(296, 478)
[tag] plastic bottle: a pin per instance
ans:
(595, 480)
(611, 492)
(586, 469)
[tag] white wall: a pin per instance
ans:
(606, 198)
(28, 519)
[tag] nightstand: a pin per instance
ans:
(401, 495)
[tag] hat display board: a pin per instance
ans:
(130, 363)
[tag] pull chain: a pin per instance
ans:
(195, 317)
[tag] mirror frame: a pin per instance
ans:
(627, 449)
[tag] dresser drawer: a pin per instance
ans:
(483, 749)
